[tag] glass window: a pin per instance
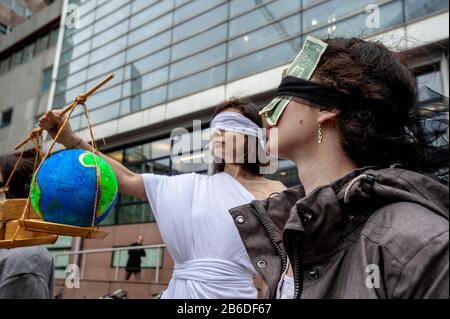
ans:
(6, 118)
(109, 35)
(153, 97)
(117, 79)
(113, 18)
(150, 80)
(418, 8)
(187, 144)
(138, 5)
(139, 153)
(196, 162)
(3, 28)
(110, 220)
(142, 100)
(75, 52)
(54, 36)
(331, 11)
(73, 39)
(267, 35)
(116, 155)
(104, 114)
(277, 55)
(74, 79)
(73, 66)
(75, 123)
(106, 66)
(159, 148)
(5, 65)
(147, 64)
(153, 258)
(110, 7)
(46, 80)
(18, 56)
(198, 82)
(149, 151)
(135, 213)
(159, 167)
(202, 22)
(136, 103)
(197, 62)
(108, 50)
(150, 29)
(432, 80)
(179, 3)
(151, 13)
(239, 6)
(86, 19)
(105, 97)
(64, 243)
(194, 8)
(59, 101)
(28, 52)
(42, 43)
(86, 6)
(125, 106)
(199, 42)
(392, 14)
(263, 15)
(151, 45)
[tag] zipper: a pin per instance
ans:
(271, 237)
(298, 271)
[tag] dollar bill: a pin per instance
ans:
(307, 60)
(303, 67)
(275, 109)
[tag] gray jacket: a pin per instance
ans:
(376, 233)
(26, 273)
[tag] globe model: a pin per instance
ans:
(63, 191)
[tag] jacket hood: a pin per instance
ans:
(387, 186)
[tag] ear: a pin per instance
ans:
(325, 116)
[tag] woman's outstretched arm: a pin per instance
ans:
(129, 183)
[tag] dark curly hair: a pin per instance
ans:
(20, 183)
(381, 128)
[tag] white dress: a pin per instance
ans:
(192, 215)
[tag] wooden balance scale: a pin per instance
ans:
(20, 225)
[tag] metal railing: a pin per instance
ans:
(83, 254)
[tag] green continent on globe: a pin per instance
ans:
(35, 196)
(108, 182)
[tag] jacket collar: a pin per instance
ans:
(320, 219)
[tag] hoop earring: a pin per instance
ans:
(320, 136)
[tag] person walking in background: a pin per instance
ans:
(134, 260)
(25, 273)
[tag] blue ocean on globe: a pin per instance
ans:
(64, 189)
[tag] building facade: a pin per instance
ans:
(174, 60)
(27, 55)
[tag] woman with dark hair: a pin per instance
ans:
(367, 221)
(191, 210)
(25, 273)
